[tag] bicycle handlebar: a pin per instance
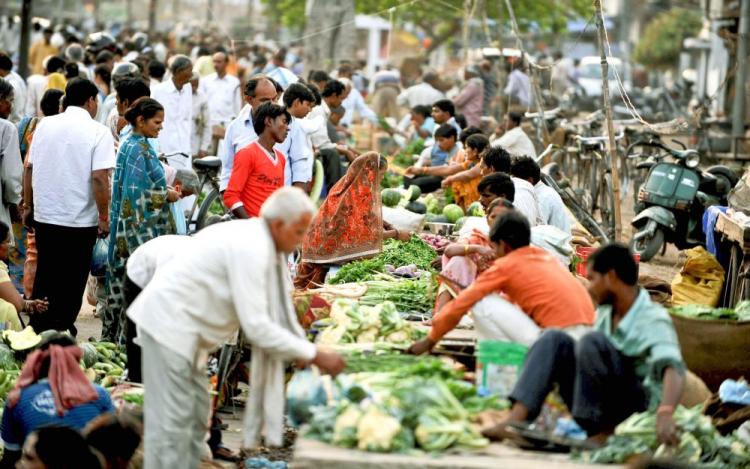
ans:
(603, 138)
(177, 153)
(547, 151)
(548, 114)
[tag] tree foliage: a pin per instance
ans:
(440, 19)
(662, 39)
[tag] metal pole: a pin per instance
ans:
(23, 46)
(608, 114)
(738, 114)
(209, 11)
(152, 17)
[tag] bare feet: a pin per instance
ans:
(598, 440)
(499, 432)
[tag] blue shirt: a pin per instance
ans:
(439, 157)
(36, 409)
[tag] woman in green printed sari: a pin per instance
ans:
(139, 210)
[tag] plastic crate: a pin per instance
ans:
(583, 252)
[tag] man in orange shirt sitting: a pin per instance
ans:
(258, 168)
(538, 293)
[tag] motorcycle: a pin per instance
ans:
(672, 200)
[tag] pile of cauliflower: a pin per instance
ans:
(351, 323)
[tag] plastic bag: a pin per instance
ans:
(739, 197)
(403, 220)
(304, 391)
(553, 240)
(99, 257)
(700, 280)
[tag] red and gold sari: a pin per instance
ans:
(349, 224)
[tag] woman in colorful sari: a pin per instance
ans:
(140, 208)
(471, 255)
(349, 225)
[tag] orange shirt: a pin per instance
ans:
(532, 279)
(255, 176)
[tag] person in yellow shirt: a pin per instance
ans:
(40, 50)
(11, 302)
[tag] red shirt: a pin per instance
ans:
(255, 176)
(532, 279)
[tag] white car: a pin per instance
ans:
(590, 76)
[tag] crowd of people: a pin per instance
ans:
(97, 144)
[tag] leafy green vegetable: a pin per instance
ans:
(740, 313)
(395, 253)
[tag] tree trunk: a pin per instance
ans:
(440, 39)
(330, 33)
(23, 47)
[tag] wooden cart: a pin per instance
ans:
(737, 281)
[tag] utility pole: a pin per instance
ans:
(608, 114)
(152, 4)
(738, 111)
(209, 11)
(23, 46)
(129, 12)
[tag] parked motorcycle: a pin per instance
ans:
(672, 200)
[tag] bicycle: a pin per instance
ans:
(569, 198)
(209, 203)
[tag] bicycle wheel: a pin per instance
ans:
(211, 211)
(606, 203)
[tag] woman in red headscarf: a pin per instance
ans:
(349, 225)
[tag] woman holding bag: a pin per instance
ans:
(140, 207)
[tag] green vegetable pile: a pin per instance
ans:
(740, 313)
(409, 295)
(355, 323)
(699, 442)
(396, 253)
(405, 157)
(408, 405)
(104, 362)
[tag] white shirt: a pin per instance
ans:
(525, 201)
(283, 76)
(201, 131)
(66, 149)
(316, 126)
(178, 120)
(239, 134)
(226, 280)
(354, 102)
(298, 153)
(36, 85)
(223, 95)
(19, 96)
(11, 169)
(152, 255)
(519, 87)
(551, 207)
(516, 142)
(422, 94)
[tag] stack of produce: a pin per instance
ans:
(395, 253)
(739, 313)
(398, 403)
(406, 157)
(699, 442)
(437, 242)
(103, 362)
(351, 322)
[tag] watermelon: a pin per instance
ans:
(24, 340)
(453, 212)
(416, 207)
(415, 193)
(475, 210)
(90, 354)
(390, 197)
(7, 360)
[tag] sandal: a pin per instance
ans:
(226, 454)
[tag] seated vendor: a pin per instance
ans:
(496, 159)
(538, 293)
(423, 174)
(630, 363)
(51, 390)
(468, 257)
(349, 225)
(11, 302)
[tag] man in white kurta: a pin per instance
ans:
(196, 302)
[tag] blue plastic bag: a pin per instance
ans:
(99, 257)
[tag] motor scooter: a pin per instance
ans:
(672, 200)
